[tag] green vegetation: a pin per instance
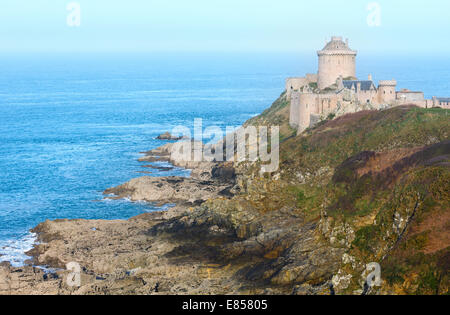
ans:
(335, 141)
(365, 237)
(313, 85)
(276, 115)
(329, 89)
(384, 173)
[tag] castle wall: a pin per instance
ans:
(410, 96)
(429, 103)
(405, 97)
(365, 97)
(294, 116)
(424, 103)
(306, 105)
(331, 66)
(443, 103)
(325, 104)
(386, 92)
(307, 102)
(312, 77)
(295, 84)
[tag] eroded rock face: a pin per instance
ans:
(208, 244)
(168, 190)
(275, 250)
(208, 180)
(299, 231)
(27, 280)
(116, 257)
(218, 248)
(213, 242)
(224, 246)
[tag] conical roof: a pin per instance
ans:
(337, 45)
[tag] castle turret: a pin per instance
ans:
(307, 103)
(386, 91)
(336, 59)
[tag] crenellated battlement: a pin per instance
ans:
(387, 83)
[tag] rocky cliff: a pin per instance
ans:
(369, 187)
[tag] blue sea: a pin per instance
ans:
(73, 125)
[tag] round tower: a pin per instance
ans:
(386, 91)
(336, 59)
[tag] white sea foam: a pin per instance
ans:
(14, 250)
(249, 115)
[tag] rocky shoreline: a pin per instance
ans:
(207, 180)
(348, 193)
(115, 255)
(207, 244)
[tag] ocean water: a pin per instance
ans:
(73, 125)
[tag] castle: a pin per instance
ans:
(335, 90)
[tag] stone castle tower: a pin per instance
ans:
(335, 60)
(386, 91)
(335, 91)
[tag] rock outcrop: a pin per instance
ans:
(168, 136)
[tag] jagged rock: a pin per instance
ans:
(310, 231)
(168, 136)
(166, 190)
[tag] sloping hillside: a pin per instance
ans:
(276, 115)
(378, 184)
(369, 187)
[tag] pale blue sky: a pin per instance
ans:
(413, 26)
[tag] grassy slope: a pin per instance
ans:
(374, 171)
(276, 115)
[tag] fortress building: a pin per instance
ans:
(335, 60)
(336, 91)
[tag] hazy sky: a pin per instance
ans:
(414, 26)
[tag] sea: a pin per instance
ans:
(73, 125)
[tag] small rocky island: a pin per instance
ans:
(169, 136)
(366, 187)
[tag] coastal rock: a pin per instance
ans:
(208, 180)
(235, 232)
(183, 154)
(279, 247)
(168, 136)
(119, 257)
(224, 246)
(167, 190)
